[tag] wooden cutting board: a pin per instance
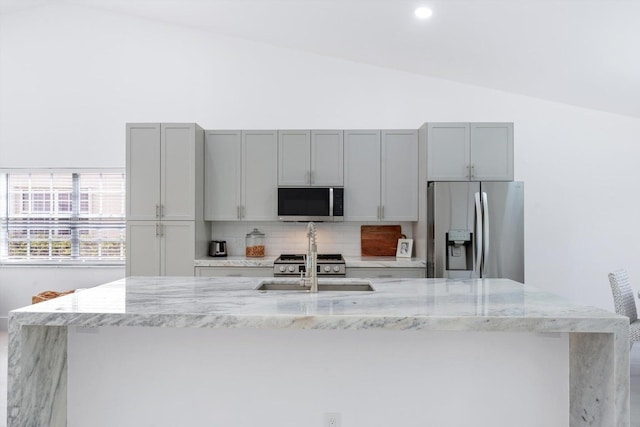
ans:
(379, 240)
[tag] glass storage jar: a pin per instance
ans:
(255, 244)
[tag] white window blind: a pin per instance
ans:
(62, 216)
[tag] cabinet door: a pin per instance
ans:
(177, 174)
(399, 191)
(143, 248)
(178, 248)
(222, 170)
(448, 152)
(385, 272)
(234, 271)
(361, 175)
(260, 175)
(492, 151)
(327, 165)
(294, 154)
(143, 171)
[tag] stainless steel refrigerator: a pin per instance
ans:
(475, 230)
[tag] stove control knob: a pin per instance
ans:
(282, 269)
(327, 268)
(292, 268)
(336, 268)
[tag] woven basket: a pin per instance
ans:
(47, 295)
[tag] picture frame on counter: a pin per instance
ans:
(405, 248)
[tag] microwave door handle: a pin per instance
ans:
(485, 232)
(478, 260)
(330, 201)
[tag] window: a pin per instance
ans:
(60, 216)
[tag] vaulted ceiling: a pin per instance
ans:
(580, 52)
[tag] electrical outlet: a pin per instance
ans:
(331, 419)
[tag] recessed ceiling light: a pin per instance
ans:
(423, 12)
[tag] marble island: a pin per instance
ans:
(413, 309)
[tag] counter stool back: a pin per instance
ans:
(625, 303)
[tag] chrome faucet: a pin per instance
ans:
(311, 271)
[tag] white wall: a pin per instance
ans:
(71, 77)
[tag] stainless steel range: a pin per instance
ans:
(294, 264)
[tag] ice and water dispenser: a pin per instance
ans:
(459, 250)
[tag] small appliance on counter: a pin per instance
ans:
(218, 248)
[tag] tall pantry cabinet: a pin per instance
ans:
(166, 230)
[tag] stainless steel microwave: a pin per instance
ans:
(311, 204)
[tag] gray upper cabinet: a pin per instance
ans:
(492, 151)
(362, 175)
(143, 171)
(470, 151)
(241, 175)
(222, 175)
(381, 175)
(310, 158)
(448, 150)
(327, 158)
(260, 175)
(399, 178)
(161, 175)
(294, 154)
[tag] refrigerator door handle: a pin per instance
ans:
(478, 239)
(485, 232)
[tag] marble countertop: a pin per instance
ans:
(421, 304)
(383, 261)
(235, 261)
(350, 261)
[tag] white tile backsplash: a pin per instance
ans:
(291, 237)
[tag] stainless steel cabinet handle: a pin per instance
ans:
(238, 212)
(157, 211)
(157, 229)
(242, 214)
(473, 171)
(382, 212)
(468, 171)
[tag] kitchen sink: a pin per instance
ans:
(326, 285)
